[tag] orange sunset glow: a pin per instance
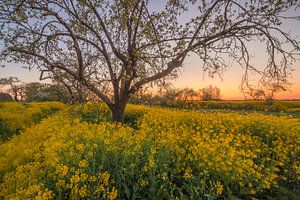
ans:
(229, 84)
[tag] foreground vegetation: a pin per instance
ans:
(15, 117)
(158, 153)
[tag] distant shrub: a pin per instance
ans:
(5, 97)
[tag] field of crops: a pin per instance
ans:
(15, 117)
(76, 152)
(276, 106)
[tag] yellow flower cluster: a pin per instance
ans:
(15, 117)
(251, 150)
(58, 153)
(165, 154)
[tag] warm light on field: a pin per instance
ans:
(158, 153)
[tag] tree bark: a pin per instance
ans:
(16, 98)
(118, 111)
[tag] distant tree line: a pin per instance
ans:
(70, 91)
(15, 90)
(168, 94)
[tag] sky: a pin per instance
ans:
(192, 75)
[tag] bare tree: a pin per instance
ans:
(113, 48)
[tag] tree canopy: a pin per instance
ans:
(113, 48)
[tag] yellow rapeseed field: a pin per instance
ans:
(15, 117)
(158, 153)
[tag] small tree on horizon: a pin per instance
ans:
(16, 88)
(113, 48)
(267, 92)
(186, 94)
(210, 93)
(257, 94)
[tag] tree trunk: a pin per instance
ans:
(118, 111)
(269, 101)
(16, 97)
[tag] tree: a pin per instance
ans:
(34, 91)
(37, 92)
(16, 88)
(58, 92)
(210, 93)
(267, 92)
(171, 94)
(74, 88)
(186, 94)
(113, 48)
(257, 94)
(143, 96)
(70, 92)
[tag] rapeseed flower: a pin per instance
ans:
(169, 153)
